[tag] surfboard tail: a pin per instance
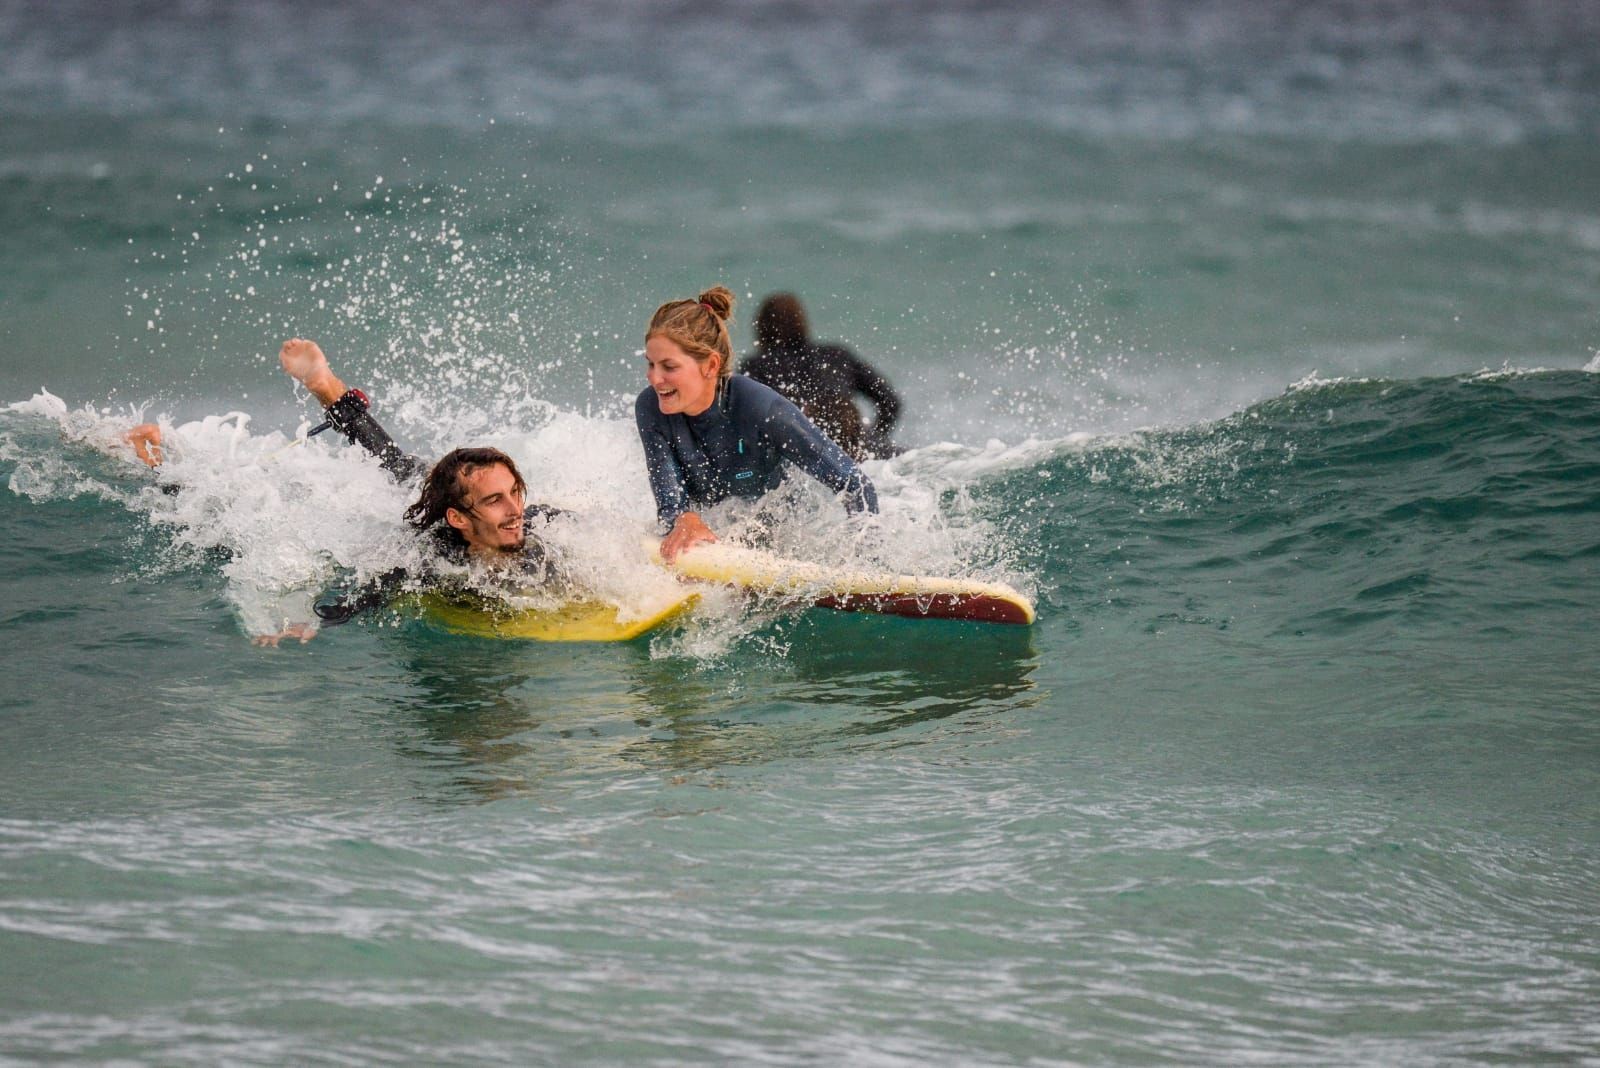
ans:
(975, 608)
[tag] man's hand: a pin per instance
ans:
(303, 361)
(146, 441)
(689, 530)
(304, 631)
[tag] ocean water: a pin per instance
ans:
(1257, 343)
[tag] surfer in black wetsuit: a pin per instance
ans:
(472, 502)
(709, 435)
(823, 380)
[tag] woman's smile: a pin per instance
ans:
(682, 384)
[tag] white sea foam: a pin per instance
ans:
(289, 515)
(1505, 371)
(1315, 381)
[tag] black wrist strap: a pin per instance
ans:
(343, 413)
(349, 415)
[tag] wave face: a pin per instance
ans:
(1257, 343)
(1394, 511)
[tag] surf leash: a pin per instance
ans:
(350, 397)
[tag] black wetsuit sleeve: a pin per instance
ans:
(803, 445)
(542, 511)
(666, 477)
(350, 416)
(369, 596)
(539, 561)
(877, 389)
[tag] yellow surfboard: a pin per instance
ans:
(919, 596)
(574, 621)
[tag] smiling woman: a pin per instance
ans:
(709, 435)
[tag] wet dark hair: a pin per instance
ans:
(781, 324)
(445, 487)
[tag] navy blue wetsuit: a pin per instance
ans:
(737, 448)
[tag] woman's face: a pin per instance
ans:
(683, 384)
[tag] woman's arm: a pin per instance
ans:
(686, 528)
(666, 477)
(803, 445)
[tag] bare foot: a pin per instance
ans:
(146, 441)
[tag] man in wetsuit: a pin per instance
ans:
(472, 502)
(822, 379)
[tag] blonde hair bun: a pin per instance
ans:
(719, 301)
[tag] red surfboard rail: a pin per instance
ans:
(976, 608)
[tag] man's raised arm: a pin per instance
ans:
(346, 409)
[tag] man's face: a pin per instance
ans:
(490, 518)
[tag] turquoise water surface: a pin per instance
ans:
(1257, 345)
